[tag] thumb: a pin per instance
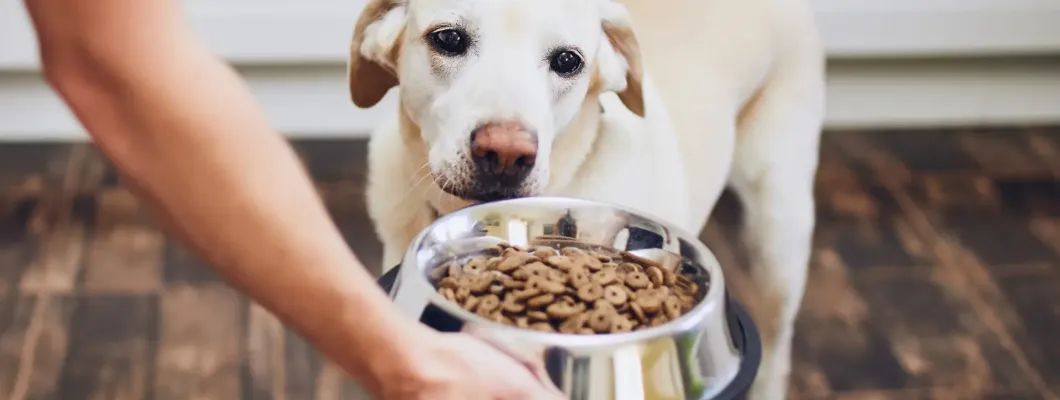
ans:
(529, 355)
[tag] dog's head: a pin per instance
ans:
(491, 83)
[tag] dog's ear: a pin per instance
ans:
(619, 66)
(372, 67)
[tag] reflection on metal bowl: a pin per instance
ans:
(711, 352)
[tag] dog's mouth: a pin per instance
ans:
(481, 192)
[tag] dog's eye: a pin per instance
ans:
(565, 63)
(448, 41)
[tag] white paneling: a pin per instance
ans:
(296, 99)
(318, 31)
(312, 101)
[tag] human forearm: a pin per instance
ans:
(188, 137)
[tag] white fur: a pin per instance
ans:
(742, 84)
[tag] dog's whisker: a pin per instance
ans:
(412, 188)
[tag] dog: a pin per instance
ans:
(655, 105)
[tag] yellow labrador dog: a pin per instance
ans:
(511, 98)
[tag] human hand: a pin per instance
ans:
(461, 366)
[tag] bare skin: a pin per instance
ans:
(187, 137)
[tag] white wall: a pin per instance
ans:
(292, 54)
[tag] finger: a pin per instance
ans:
(530, 356)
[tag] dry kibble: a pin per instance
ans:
(637, 280)
(590, 292)
(471, 303)
(541, 300)
(655, 274)
(566, 288)
(672, 306)
(600, 320)
(537, 316)
(561, 310)
(489, 303)
(475, 266)
(544, 252)
(542, 327)
(615, 295)
(604, 277)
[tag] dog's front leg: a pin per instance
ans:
(773, 173)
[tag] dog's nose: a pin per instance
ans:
(504, 151)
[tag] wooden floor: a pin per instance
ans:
(936, 274)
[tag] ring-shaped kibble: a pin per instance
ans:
(615, 295)
(513, 307)
(541, 300)
(579, 277)
(673, 307)
(634, 267)
(462, 293)
(513, 261)
(542, 327)
(638, 312)
(475, 266)
(494, 262)
(471, 303)
(525, 294)
(561, 310)
(454, 269)
(637, 280)
(448, 293)
(590, 292)
(650, 304)
(557, 276)
(537, 315)
(600, 320)
(448, 282)
(621, 324)
(497, 289)
(656, 275)
(512, 283)
(572, 251)
(544, 252)
(554, 287)
(561, 262)
(489, 302)
(535, 283)
(481, 284)
(604, 277)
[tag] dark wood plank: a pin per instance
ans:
(125, 247)
(1036, 300)
(111, 354)
(180, 266)
(17, 248)
(302, 367)
(200, 343)
(27, 168)
(939, 339)
(263, 373)
(15, 315)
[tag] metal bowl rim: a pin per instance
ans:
(711, 306)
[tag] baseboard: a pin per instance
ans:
(312, 101)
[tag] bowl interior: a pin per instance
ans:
(538, 221)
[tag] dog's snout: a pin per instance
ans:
(504, 151)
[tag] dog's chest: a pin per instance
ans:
(650, 191)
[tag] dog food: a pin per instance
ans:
(567, 289)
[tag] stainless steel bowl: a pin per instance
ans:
(710, 352)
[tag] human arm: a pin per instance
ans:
(185, 133)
